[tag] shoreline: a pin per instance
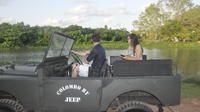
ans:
(124, 45)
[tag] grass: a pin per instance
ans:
(190, 87)
(107, 45)
(124, 45)
(171, 45)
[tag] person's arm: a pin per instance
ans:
(138, 54)
(92, 55)
(81, 53)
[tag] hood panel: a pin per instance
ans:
(18, 70)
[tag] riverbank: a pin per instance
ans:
(171, 44)
(124, 45)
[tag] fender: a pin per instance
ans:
(25, 89)
(165, 88)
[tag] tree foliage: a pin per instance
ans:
(150, 19)
(176, 7)
(169, 20)
(22, 35)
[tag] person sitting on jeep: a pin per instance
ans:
(135, 50)
(97, 55)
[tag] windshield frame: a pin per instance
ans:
(63, 46)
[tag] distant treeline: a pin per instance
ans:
(169, 21)
(21, 35)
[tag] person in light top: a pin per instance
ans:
(135, 50)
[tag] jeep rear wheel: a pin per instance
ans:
(9, 105)
(134, 106)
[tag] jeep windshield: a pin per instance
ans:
(59, 45)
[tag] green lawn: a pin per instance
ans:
(124, 45)
(171, 45)
(190, 87)
(107, 45)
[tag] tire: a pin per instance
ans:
(9, 105)
(134, 106)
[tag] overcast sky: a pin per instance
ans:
(87, 13)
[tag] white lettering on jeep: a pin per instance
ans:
(68, 87)
(72, 99)
(72, 87)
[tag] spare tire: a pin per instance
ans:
(134, 106)
(9, 105)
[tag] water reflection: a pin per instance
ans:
(187, 60)
(21, 56)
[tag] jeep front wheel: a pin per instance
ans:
(9, 105)
(134, 106)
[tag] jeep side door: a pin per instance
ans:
(62, 94)
(72, 95)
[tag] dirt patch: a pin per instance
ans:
(187, 105)
(190, 105)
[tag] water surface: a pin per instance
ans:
(186, 60)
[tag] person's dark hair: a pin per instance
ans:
(134, 40)
(96, 37)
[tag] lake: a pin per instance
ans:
(186, 60)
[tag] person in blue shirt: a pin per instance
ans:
(97, 55)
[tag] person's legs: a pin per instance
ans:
(80, 70)
(75, 70)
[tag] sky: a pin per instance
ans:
(86, 13)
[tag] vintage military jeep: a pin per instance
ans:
(122, 86)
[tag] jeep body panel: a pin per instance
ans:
(165, 88)
(62, 94)
(24, 88)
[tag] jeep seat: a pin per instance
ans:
(102, 72)
(117, 58)
(142, 68)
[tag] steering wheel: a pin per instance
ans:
(76, 58)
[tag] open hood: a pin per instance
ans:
(59, 45)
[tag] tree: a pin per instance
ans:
(22, 35)
(176, 7)
(150, 20)
(190, 18)
(158, 19)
